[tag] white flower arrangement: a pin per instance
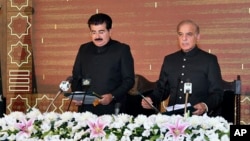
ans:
(73, 126)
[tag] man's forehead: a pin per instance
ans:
(97, 28)
(186, 32)
(187, 26)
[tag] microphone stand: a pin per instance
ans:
(86, 85)
(58, 93)
(73, 90)
(73, 93)
(117, 108)
(187, 90)
(64, 86)
(83, 99)
(186, 101)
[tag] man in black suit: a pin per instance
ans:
(193, 65)
(109, 66)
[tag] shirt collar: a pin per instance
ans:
(191, 52)
(103, 48)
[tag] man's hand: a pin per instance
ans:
(144, 103)
(106, 99)
(201, 108)
(77, 103)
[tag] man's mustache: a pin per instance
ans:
(98, 39)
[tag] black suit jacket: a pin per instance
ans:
(198, 67)
(111, 70)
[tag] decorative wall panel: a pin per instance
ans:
(19, 47)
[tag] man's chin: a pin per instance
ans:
(99, 44)
(186, 49)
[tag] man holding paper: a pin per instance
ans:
(190, 65)
(103, 67)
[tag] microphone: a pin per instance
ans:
(86, 84)
(188, 88)
(64, 86)
(117, 108)
(187, 91)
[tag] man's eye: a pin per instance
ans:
(190, 34)
(101, 32)
(180, 34)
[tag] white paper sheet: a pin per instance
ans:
(177, 107)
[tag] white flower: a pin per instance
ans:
(127, 133)
(45, 126)
(52, 138)
(149, 123)
(82, 118)
(74, 126)
(16, 115)
(3, 136)
(78, 135)
(111, 137)
(225, 138)
(33, 114)
(11, 137)
(106, 118)
(125, 138)
(52, 116)
(140, 119)
(146, 133)
(66, 116)
(125, 117)
(137, 139)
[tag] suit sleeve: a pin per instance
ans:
(127, 72)
(215, 84)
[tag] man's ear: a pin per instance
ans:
(110, 32)
(198, 36)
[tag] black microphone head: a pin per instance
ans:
(86, 82)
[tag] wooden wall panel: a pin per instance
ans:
(149, 27)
